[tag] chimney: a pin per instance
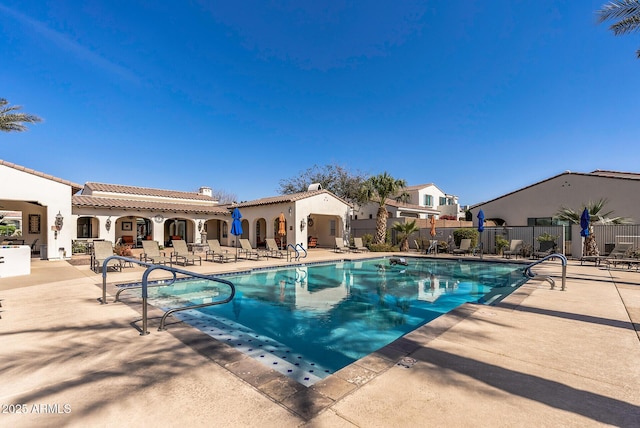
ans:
(206, 191)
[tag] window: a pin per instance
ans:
(84, 227)
(332, 227)
(443, 201)
(428, 200)
(539, 221)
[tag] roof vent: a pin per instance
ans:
(314, 186)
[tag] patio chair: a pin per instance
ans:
(545, 249)
(340, 247)
(181, 254)
(101, 251)
(248, 251)
(464, 248)
(216, 252)
(272, 248)
(515, 248)
(619, 254)
(433, 247)
(151, 253)
(358, 246)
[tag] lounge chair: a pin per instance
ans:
(151, 253)
(464, 248)
(546, 249)
(358, 246)
(272, 248)
(620, 255)
(248, 251)
(620, 251)
(340, 247)
(101, 251)
(515, 248)
(181, 254)
(216, 252)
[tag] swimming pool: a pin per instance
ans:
(309, 321)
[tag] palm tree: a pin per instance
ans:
(378, 189)
(626, 13)
(597, 215)
(405, 230)
(11, 121)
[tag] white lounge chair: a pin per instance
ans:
(272, 248)
(248, 251)
(358, 246)
(216, 252)
(101, 251)
(340, 247)
(181, 254)
(151, 253)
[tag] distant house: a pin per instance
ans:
(538, 203)
(427, 201)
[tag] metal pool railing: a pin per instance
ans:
(145, 285)
(563, 259)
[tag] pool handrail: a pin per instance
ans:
(144, 286)
(302, 248)
(527, 270)
(295, 249)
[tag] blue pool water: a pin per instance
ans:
(310, 321)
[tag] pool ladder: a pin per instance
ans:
(297, 253)
(145, 285)
(527, 270)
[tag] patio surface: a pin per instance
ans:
(541, 358)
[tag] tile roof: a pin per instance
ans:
(293, 197)
(596, 173)
(102, 202)
(74, 186)
(418, 186)
(394, 203)
(146, 191)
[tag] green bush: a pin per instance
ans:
(367, 239)
(466, 233)
(501, 243)
(383, 248)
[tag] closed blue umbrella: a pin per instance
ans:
(584, 223)
(480, 228)
(236, 226)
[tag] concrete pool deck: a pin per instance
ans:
(541, 357)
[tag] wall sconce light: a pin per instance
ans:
(107, 224)
(57, 225)
(302, 225)
(290, 210)
(59, 220)
(200, 226)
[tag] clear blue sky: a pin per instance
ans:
(479, 97)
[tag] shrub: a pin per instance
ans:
(547, 237)
(383, 248)
(501, 243)
(367, 239)
(123, 250)
(465, 233)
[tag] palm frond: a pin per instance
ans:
(626, 26)
(618, 9)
